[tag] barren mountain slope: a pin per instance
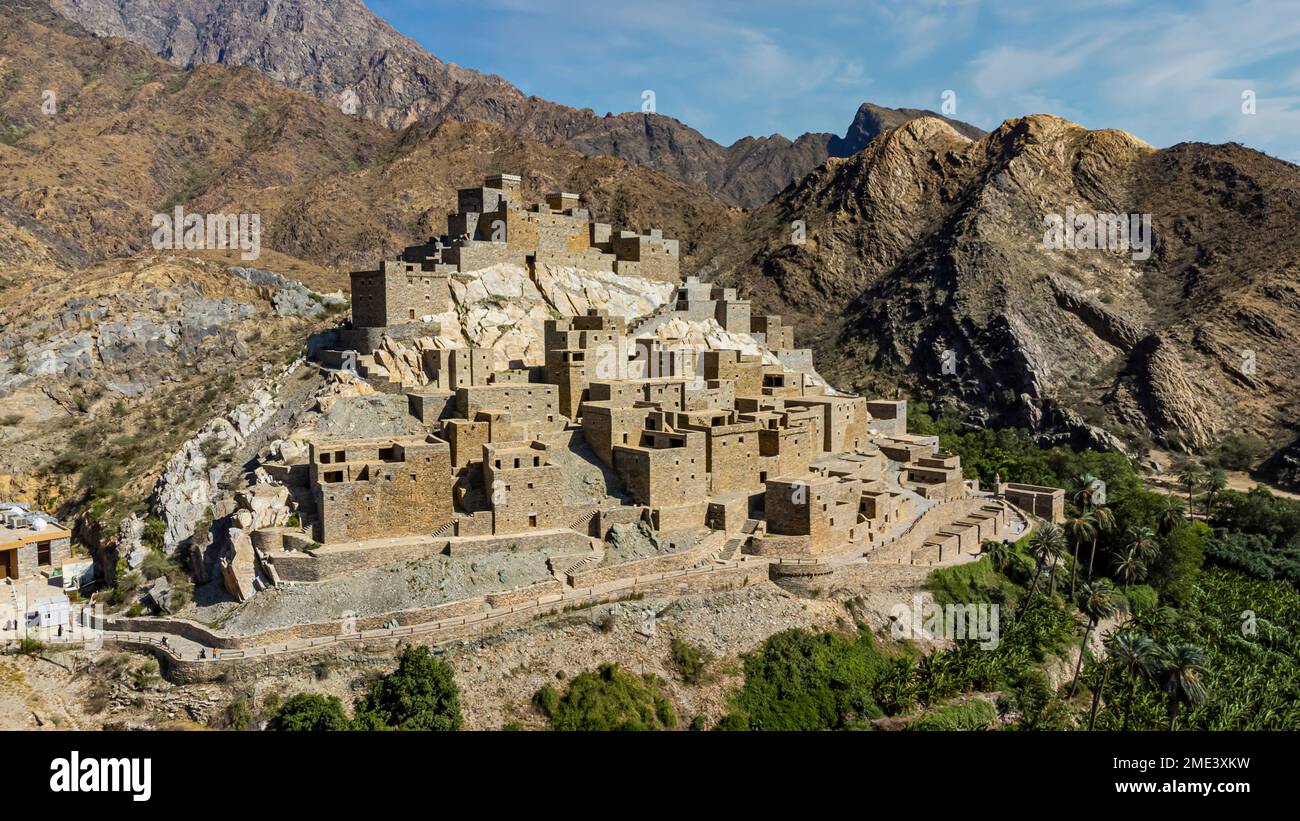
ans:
(133, 136)
(342, 53)
(927, 243)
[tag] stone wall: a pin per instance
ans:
(326, 564)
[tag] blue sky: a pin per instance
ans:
(1164, 71)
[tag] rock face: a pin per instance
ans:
(342, 53)
(924, 265)
(333, 190)
(187, 488)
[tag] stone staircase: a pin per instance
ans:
(446, 529)
(663, 314)
(582, 524)
(730, 549)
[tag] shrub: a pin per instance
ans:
(804, 681)
(608, 699)
(1142, 598)
(420, 695)
(308, 712)
(690, 662)
(29, 646)
(976, 714)
(970, 582)
(1238, 451)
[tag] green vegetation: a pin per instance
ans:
(420, 695)
(972, 715)
(691, 662)
(308, 712)
(821, 681)
(1237, 451)
(608, 698)
(11, 134)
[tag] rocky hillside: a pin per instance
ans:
(133, 135)
(927, 249)
(105, 372)
(341, 53)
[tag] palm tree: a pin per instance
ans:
(1216, 481)
(1085, 487)
(1172, 513)
(1105, 523)
(1079, 529)
(999, 553)
(1138, 659)
(1190, 477)
(1046, 544)
(1097, 603)
(1129, 568)
(1142, 541)
(1181, 675)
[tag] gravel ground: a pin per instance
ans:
(628, 542)
(423, 582)
(378, 414)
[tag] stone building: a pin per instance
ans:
(492, 225)
(377, 488)
(666, 471)
(583, 349)
(1045, 502)
(524, 486)
(936, 476)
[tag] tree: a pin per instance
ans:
(1189, 477)
(1182, 669)
(1171, 514)
(1000, 553)
(1129, 568)
(1047, 543)
(1143, 543)
(1079, 529)
(1085, 489)
(1136, 657)
(1216, 481)
(309, 712)
(420, 695)
(1105, 524)
(1097, 603)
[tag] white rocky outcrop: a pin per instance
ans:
(188, 485)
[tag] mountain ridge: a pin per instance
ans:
(329, 50)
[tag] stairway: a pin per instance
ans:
(585, 563)
(445, 530)
(729, 550)
(582, 524)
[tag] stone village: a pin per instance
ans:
(721, 452)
